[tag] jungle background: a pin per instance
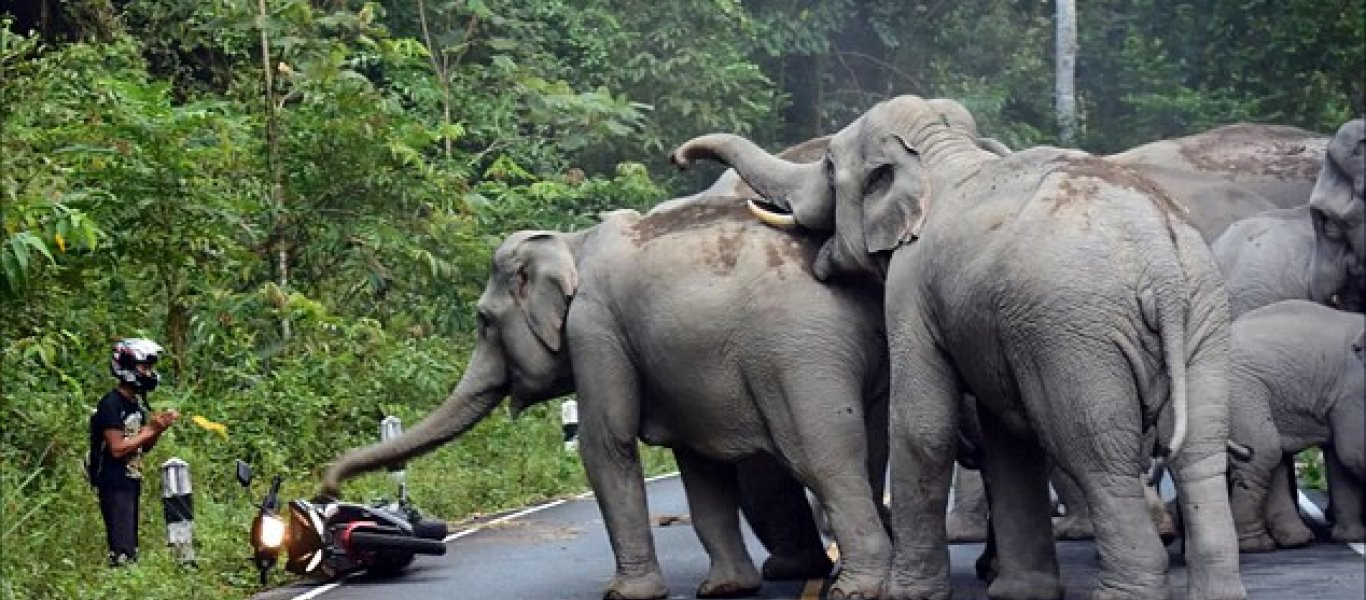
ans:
(309, 251)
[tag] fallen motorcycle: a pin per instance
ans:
(330, 538)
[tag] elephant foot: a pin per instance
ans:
(1216, 588)
(1073, 527)
(1290, 533)
(917, 592)
(1348, 533)
(649, 586)
(780, 567)
(730, 580)
(1130, 593)
(967, 530)
(1255, 543)
(726, 589)
(853, 587)
(1029, 586)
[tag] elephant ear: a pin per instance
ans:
(896, 197)
(546, 281)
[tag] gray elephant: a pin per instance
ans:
(1338, 209)
(694, 328)
(1296, 383)
(1307, 252)
(1231, 172)
(1217, 176)
(1066, 295)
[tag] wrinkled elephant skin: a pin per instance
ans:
(1296, 383)
(697, 329)
(985, 260)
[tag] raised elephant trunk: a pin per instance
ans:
(774, 178)
(478, 393)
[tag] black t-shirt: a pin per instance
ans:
(115, 412)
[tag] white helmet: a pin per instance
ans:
(130, 352)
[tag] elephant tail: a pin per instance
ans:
(1167, 314)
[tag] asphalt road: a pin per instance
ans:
(560, 551)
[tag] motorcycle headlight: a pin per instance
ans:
(272, 531)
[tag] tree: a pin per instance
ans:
(1066, 57)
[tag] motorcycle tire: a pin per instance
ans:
(431, 529)
(389, 564)
(365, 540)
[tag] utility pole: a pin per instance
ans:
(1066, 28)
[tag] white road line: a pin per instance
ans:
(1315, 514)
(323, 589)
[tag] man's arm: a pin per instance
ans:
(146, 438)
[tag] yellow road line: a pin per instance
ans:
(813, 587)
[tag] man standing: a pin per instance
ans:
(119, 433)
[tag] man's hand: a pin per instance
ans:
(163, 420)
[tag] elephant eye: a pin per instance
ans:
(880, 179)
(1331, 230)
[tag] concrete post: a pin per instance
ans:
(569, 422)
(177, 502)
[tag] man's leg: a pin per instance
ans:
(119, 506)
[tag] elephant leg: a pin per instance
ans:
(831, 457)
(967, 521)
(1200, 472)
(1249, 486)
(1344, 493)
(1075, 524)
(712, 500)
(924, 439)
(775, 504)
(1098, 448)
(1282, 509)
(1026, 563)
(609, 417)
(1249, 480)
(1346, 462)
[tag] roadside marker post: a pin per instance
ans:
(390, 428)
(569, 422)
(177, 502)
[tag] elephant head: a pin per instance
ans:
(1339, 216)
(871, 191)
(520, 351)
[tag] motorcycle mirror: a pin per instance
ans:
(243, 473)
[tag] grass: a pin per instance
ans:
(52, 544)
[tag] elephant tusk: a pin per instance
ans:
(770, 218)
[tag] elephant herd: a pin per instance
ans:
(907, 293)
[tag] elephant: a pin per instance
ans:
(1296, 382)
(1337, 206)
(1217, 176)
(1310, 252)
(1060, 289)
(1231, 172)
(1274, 256)
(694, 328)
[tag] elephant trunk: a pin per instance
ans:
(478, 393)
(779, 181)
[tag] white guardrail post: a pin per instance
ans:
(177, 502)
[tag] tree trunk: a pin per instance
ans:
(439, 67)
(1066, 54)
(277, 236)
